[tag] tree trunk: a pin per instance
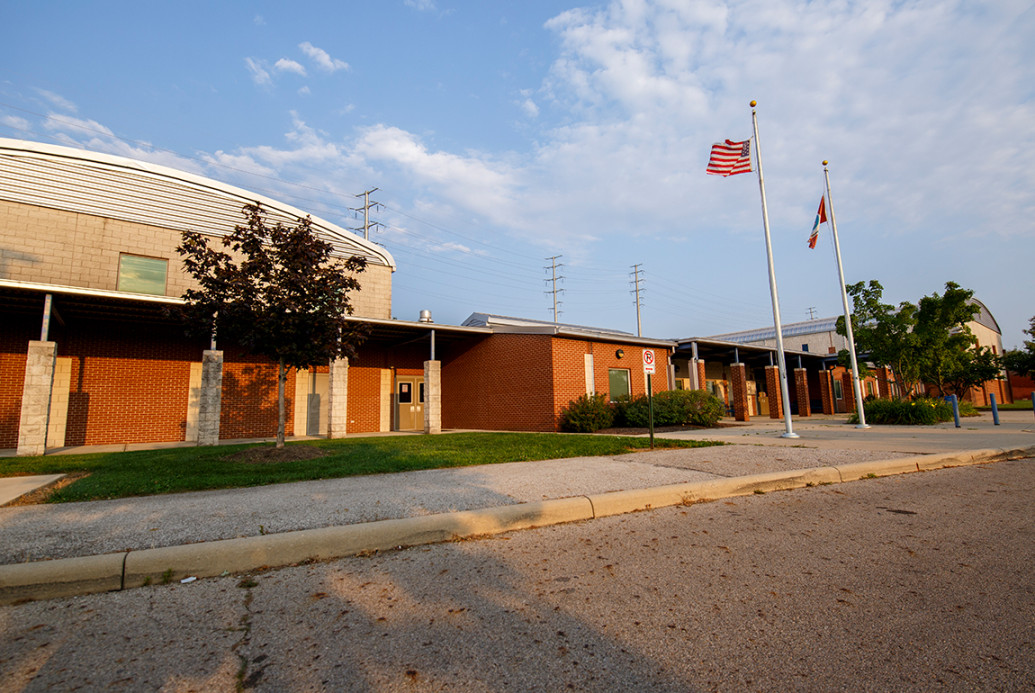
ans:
(281, 419)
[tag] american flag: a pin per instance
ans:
(730, 158)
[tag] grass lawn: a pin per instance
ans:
(117, 475)
(1019, 405)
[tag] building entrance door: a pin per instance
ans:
(409, 403)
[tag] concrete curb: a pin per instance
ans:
(90, 574)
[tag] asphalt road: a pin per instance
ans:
(913, 582)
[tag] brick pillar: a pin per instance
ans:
(801, 386)
(432, 396)
(825, 392)
(883, 388)
(36, 391)
(337, 398)
(211, 400)
(849, 391)
(701, 379)
(773, 390)
(739, 392)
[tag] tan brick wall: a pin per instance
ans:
(50, 246)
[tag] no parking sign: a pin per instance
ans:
(648, 361)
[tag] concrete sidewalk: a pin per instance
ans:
(269, 524)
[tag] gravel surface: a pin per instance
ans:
(64, 530)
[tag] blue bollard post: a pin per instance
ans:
(995, 409)
(956, 409)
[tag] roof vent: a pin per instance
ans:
(425, 316)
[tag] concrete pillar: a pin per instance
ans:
(774, 391)
(338, 398)
(211, 400)
(825, 392)
(432, 396)
(848, 390)
(801, 387)
(36, 392)
(739, 392)
(701, 379)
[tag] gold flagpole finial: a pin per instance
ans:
(825, 162)
(753, 104)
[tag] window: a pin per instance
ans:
(837, 390)
(618, 382)
(142, 275)
(869, 388)
(804, 347)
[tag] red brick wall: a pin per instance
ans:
(774, 391)
(15, 335)
(129, 383)
(364, 400)
(801, 387)
(249, 408)
(504, 382)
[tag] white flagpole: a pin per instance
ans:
(772, 287)
(844, 302)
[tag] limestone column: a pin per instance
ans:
(432, 396)
(739, 394)
(338, 398)
(36, 391)
(801, 386)
(211, 401)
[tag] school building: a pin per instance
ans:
(89, 354)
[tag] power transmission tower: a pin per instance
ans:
(367, 204)
(554, 278)
(636, 279)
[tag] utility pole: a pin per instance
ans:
(636, 290)
(812, 313)
(552, 269)
(367, 204)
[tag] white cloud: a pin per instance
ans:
(259, 20)
(304, 91)
(16, 123)
(482, 185)
(58, 101)
(260, 75)
(322, 59)
(421, 5)
(530, 108)
(286, 65)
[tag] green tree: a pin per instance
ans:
(275, 290)
(927, 342)
(1022, 361)
(883, 332)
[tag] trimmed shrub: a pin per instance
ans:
(672, 408)
(923, 411)
(586, 414)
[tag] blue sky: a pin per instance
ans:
(504, 133)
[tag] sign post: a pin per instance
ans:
(648, 370)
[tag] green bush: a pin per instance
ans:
(923, 411)
(587, 414)
(671, 408)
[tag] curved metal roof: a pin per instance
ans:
(77, 180)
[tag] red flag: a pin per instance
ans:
(821, 218)
(730, 158)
